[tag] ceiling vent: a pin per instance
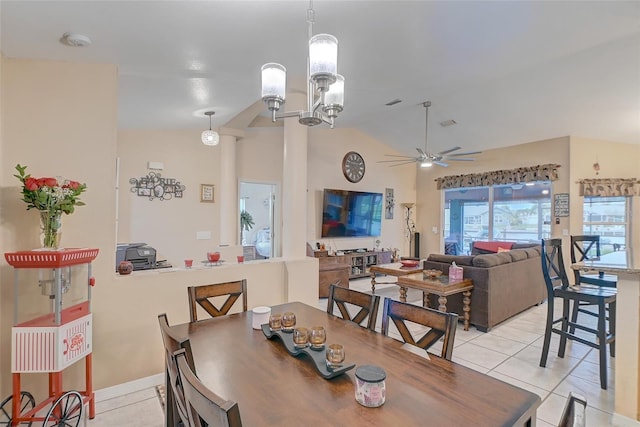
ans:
(447, 123)
(75, 40)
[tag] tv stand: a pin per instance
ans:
(353, 263)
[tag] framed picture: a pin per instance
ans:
(206, 193)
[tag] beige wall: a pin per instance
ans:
(535, 153)
(171, 225)
(326, 150)
(59, 119)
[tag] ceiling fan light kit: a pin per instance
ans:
(427, 159)
(325, 91)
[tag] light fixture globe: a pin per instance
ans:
(210, 137)
(426, 164)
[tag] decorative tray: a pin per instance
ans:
(212, 263)
(318, 356)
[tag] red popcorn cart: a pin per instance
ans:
(50, 334)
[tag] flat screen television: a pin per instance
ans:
(351, 214)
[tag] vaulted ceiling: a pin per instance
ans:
(506, 72)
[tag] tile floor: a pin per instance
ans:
(509, 352)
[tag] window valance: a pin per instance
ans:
(608, 187)
(547, 172)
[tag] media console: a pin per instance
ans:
(355, 263)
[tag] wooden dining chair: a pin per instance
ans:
(557, 285)
(443, 325)
(574, 413)
(175, 405)
(205, 408)
(340, 297)
(199, 295)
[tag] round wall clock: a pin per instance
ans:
(353, 166)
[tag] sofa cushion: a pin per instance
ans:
(491, 260)
(524, 245)
(518, 255)
(492, 246)
(533, 252)
(449, 259)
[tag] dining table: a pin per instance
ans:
(274, 388)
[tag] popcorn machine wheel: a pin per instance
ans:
(51, 342)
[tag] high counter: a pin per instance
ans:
(626, 265)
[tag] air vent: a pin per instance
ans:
(449, 122)
(394, 102)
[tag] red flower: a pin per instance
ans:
(49, 182)
(31, 184)
(74, 185)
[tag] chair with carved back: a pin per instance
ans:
(200, 295)
(175, 406)
(205, 408)
(443, 325)
(574, 414)
(557, 284)
(341, 297)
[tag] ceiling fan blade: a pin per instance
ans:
(448, 151)
(422, 153)
(460, 159)
(403, 163)
(409, 160)
(443, 164)
(466, 154)
(396, 155)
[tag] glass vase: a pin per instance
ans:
(50, 229)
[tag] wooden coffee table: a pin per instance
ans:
(439, 286)
(393, 269)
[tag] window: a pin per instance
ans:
(515, 213)
(607, 217)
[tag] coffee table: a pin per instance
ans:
(393, 269)
(439, 286)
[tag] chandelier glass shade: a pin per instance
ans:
(325, 93)
(210, 137)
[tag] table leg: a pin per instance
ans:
(443, 304)
(403, 294)
(373, 283)
(466, 307)
(425, 299)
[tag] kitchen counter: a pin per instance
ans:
(626, 265)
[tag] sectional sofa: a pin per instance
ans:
(505, 283)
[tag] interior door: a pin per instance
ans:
(257, 232)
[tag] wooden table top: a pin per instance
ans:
(438, 286)
(273, 388)
(395, 269)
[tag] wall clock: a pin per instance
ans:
(353, 166)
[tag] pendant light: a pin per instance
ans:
(210, 137)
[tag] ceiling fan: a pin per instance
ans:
(427, 159)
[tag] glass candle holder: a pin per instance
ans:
(335, 356)
(301, 337)
(317, 337)
(288, 321)
(275, 322)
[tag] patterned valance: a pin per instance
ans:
(608, 187)
(514, 176)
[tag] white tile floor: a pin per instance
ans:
(509, 352)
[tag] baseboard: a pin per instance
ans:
(622, 421)
(129, 387)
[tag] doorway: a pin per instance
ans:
(257, 206)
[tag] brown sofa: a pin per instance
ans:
(505, 283)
